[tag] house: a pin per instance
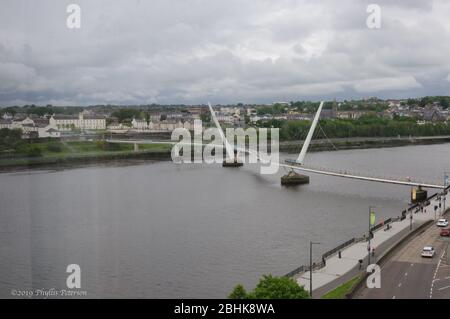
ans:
(140, 125)
(6, 123)
(349, 114)
(433, 115)
(7, 116)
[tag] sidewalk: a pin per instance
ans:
(338, 271)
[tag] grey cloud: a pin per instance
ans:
(192, 51)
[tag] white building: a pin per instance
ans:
(140, 125)
(39, 127)
(83, 121)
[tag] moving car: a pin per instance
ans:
(442, 222)
(445, 232)
(428, 252)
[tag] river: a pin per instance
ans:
(161, 230)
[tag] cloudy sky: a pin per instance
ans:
(227, 51)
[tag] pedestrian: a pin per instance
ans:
(360, 263)
(373, 252)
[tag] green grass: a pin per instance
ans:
(341, 291)
(77, 149)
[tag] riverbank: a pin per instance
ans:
(361, 143)
(65, 154)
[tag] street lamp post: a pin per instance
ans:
(311, 268)
(370, 233)
(444, 192)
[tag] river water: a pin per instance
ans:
(161, 230)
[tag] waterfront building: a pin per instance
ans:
(84, 121)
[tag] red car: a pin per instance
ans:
(445, 232)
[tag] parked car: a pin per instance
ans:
(442, 222)
(428, 252)
(445, 232)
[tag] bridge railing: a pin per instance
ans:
(350, 172)
(340, 247)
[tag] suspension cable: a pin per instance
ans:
(335, 148)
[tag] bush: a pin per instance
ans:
(105, 146)
(55, 148)
(33, 151)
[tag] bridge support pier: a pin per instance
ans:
(136, 147)
(293, 178)
(235, 163)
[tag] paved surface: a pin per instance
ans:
(408, 275)
(338, 270)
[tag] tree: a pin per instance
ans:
(10, 140)
(126, 114)
(238, 293)
(206, 118)
(270, 287)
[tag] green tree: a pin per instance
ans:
(10, 140)
(126, 114)
(238, 292)
(270, 287)
(205, 118)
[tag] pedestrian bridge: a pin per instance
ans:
(299, 164)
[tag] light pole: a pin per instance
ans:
(444, 192)
(311, 267)
(370, 234)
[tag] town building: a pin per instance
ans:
(84, 121)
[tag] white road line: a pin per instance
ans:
(406, 274)
(400, 284)
(435, 274)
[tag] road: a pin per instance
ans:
(407, 275)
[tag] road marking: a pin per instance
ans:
(400, 284)
(435, 274)
(393, 297)
(406, 274)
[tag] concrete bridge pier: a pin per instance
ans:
(235, 162)
(136, 147)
